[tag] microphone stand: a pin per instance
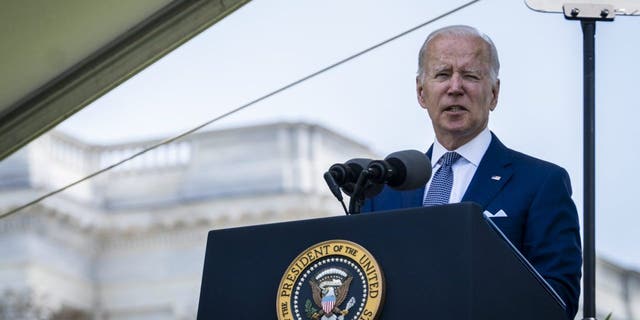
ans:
(357, 197)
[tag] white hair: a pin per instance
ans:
(462, 30)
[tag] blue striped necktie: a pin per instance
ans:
(440, 189)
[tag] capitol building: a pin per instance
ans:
(129, 244)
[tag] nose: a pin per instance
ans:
(455, 85)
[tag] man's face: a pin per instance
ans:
(456, 88)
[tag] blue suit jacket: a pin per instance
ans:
(541, 222)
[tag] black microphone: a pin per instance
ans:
(345, 175)
(402, 170)
(348, 172)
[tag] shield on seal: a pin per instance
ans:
(328, 302)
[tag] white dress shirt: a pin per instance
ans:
(463, 169)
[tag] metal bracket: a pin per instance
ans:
(597, 12)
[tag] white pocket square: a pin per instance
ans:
(500, 213)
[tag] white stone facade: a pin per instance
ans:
(129, 244)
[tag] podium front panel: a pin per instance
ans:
(442, 262)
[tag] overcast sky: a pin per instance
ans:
(267, 44)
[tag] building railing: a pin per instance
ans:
(176, 154)
(280, 157)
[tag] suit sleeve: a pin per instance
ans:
(552, 238)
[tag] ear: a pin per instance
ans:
(495, 90)
(420, 92)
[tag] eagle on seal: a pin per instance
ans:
(330, 297)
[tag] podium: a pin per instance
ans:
(444, 262)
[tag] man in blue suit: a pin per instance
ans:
(527, 198)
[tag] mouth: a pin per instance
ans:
(455, 108)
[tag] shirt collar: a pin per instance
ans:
(472, 151)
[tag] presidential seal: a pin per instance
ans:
(331, 280)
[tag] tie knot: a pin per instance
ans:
(449, 158)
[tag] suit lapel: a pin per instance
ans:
(492, 174)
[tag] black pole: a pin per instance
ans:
(589, 127)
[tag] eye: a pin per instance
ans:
(472, 76)
(441, 75)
